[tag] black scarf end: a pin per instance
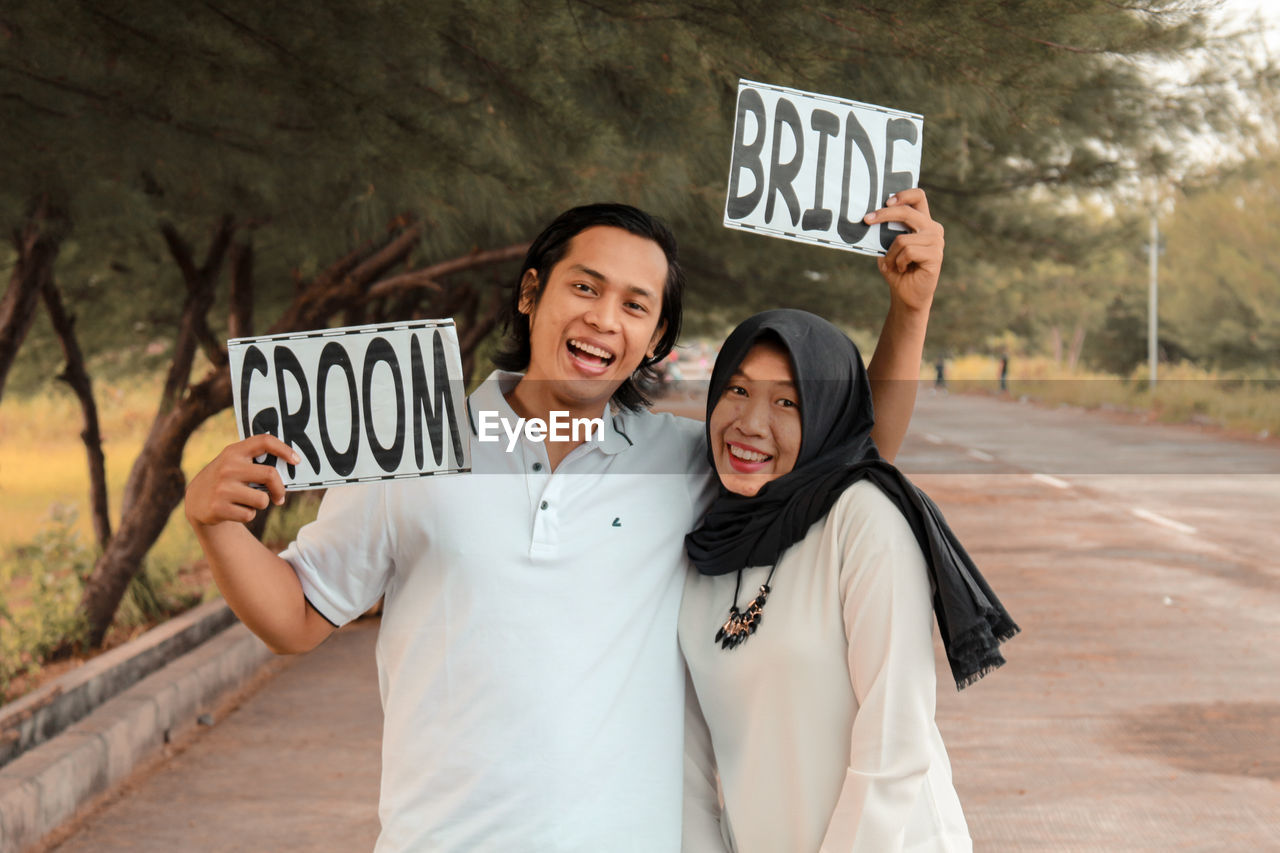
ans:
(977, 652)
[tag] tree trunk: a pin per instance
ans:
(156, 482)
(1055, 335)
(37, 247)
(155, 486)
(1077, 345)
(77, 376)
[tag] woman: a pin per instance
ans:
(822, 722)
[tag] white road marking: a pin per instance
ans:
(983, 457)
(1051, 481)
(1154, 518)
(932, 439)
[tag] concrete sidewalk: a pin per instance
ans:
(291, 763)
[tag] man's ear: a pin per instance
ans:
(528, 291)
(657, 336)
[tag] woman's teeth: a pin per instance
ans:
(747, 455)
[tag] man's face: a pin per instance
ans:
(597, 317)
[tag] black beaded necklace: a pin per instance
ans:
(742, 624)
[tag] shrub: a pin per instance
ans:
(40, 586)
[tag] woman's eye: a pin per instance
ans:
(582, 288)
(788, 404)
(735, 390)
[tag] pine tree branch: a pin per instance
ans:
(220, 135)
(426, 277)
(193, 326)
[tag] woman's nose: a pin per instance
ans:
(755, 418)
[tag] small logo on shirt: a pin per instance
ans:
(617, 522)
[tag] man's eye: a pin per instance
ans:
(582, 288)
(636, 306)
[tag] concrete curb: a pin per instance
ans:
(44, 787)
(43, 713)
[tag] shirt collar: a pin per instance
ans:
(490, 396)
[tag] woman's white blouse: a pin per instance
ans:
(822, 722)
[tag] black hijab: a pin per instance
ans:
(836, 451)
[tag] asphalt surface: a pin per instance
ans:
(1140, 709)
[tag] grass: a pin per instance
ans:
(46, 536)
(1247, 402)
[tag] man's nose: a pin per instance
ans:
(603, 314)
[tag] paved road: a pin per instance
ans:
(1224, 494)
(1140, 709)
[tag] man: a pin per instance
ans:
(531, 682)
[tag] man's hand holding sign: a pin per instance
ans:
(318, 409)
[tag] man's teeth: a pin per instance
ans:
(747, 455)
(590, 350)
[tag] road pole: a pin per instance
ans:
(1153, 301)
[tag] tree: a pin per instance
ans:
(1219, 273)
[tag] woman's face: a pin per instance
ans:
(755, 425)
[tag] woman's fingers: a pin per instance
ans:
(920, 248)
(914, 197)
(910, 207)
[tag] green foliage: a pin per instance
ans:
(41, 582)
(155, 594)
(284, 522)
(40, 585)
(1122, 340)
(1220, 271)
(314, 124)
(1218, 267)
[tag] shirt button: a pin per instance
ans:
(537, 466)
(544, 504)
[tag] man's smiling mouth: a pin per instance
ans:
(590, 354)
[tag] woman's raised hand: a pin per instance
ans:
(914, 261)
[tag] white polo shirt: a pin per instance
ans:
(531, 680)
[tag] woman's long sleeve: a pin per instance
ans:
(888, 621)
(701, 828)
